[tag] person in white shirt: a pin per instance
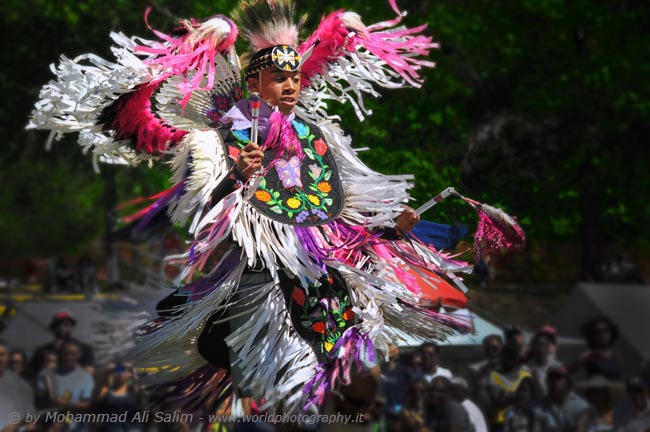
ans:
(430, 367)
(459, 393)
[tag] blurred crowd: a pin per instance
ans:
(519, 387)
(515, 387)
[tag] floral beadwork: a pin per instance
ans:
(327, 315)
(303, 190)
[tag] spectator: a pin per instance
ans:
(551, 334)
(459, 394)
(378, 413)
(513, 335)
(416, 398)
(492, 345)
(15, 393)
(479, 373)
(61, 327)
(70, 387)
(355, 399)
(601, 359)
(408, 421)
(633, 414)
(394, 380)
(19, 364)
(445, 414)
(503, 384)
(118, 397)
(598, 391)
(521, 417)
(430, 367)
(539, 361)
(44, 379)
(562, 410)
(415, 364)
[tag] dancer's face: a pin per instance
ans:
(278, 88)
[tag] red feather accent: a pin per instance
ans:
(131, 119)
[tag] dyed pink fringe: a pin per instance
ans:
(397, 48)
(492, 235)
(180, 55)
(281, 137)
(330, 375)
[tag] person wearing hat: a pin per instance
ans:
(459, 392)
(61, 326)
(562, 409)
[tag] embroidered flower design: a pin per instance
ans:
(302, 130)
(315, 170)
(302, 216)
(348, 315)
(313, 199)
(263, 195)
(324, 187)
(293, 203)
(318, 327)
(328, 346)
(320, 146)
(289, 172)
(298, 296)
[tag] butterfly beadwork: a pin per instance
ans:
(289, 172)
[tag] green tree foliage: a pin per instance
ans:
(539, 106)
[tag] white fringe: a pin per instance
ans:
(83, 87)
(200, 162)
(276, 363)
(372, 199)
(173, 346)
(346, 80)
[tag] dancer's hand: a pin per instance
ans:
(250, 160)
(406, 220)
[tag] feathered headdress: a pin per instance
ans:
(271, 32)
(266, 23)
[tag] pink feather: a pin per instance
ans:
(342, 32)
(330, 39)
(496, 230)
(282, 137)
(193, 51)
